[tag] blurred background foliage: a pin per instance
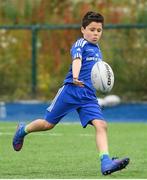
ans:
(123, 49)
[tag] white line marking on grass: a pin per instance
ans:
(5, 133)
(87, 135)
(8, 127)
(38, 134)
(49, 134)
(45, 134)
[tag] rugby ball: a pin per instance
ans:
(102, 76)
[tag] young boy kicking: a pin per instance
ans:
(78, 94)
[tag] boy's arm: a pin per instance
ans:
(76, 67)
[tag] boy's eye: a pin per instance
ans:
(99, 30)
(92, 29)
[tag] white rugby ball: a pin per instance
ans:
(102, 76)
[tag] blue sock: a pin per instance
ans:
(22, 132)
(104, 155)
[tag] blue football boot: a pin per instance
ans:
(19, 137)
(109, 166)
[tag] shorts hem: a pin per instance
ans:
(89, 122)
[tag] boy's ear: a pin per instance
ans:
(82, 29)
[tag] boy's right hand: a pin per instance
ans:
(77, 82)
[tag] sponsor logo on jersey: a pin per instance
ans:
(90, 50)
(93, 59)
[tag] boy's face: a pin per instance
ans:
(92, 32)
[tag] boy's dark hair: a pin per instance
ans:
(92, 17)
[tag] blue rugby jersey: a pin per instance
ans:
(89, 54)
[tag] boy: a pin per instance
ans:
(78, 94)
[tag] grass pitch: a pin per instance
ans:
(69, 152)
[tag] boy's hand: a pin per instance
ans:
(77, 82)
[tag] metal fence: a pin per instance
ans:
(34, 29)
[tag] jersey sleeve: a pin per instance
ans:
(77, 49)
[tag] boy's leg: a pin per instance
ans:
(108, 165)
(101, 135)
(58, 109)
(22, 131)
(38, 125)
(90, 113)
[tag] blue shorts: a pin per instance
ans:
(71, 97)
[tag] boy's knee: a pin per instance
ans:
(99, 124)
(48, 125)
